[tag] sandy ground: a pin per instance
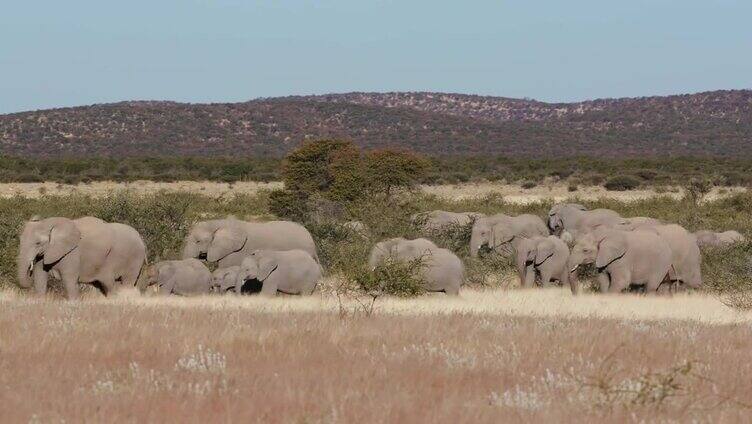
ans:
(540, 303)
(512, 193)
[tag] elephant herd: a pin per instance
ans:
(638, 253)
(280, 256)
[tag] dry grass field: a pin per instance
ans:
(487, 356)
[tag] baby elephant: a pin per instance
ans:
(224, 279)
(545, 257)
(285, 271)
(182, 277)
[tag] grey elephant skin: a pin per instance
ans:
(84, 250)
(185, 277)
(578, 220)
(224, 279)
(686, 259)
(442, 270)
(712, 239)
(288, 271)
(545, 257)
(228, 241)
(623, 258)
(497, 232)
(437, 220)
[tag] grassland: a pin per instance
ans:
(418, 360)
(494, 354)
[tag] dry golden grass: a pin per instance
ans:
(488, 356)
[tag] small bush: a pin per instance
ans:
(529, 184)
(621, 183)
(394, 278)
(572, 187)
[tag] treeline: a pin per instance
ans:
(583, 171)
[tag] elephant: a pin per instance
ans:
(224, 279)
(623, 259)
(577, 219)
(228, 241)
(83, 250)
(524, 257)
(707, 238)
(442, 270)
(285, 271)
(497, 232)
(685, 254)
(437, 220)
(548, 259)
(184, 277)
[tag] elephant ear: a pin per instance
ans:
(64, 237)
(554, 222)
(609, 250)
(531, 255)
(543, 251)
(224, 242)
(266, 265)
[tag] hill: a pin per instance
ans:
(715, 123)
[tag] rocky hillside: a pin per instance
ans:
(712, 123)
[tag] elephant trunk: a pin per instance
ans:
(25, 266)
(474, 246)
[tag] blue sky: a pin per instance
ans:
(66, 53)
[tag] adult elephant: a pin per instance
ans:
(442, 270)
(228, 241)
(686, 259)
(497, 232)
(623, 259)
(577, 219)
(84, 250)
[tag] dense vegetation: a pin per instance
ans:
(714, 123)
(446, 169)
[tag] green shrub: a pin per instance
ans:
(394, 278)
(529, 184)
(621, 183)
(289, 204)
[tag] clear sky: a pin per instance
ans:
(65, 53)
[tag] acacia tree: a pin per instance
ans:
(336, 170)
(389, 169)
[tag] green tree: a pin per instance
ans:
(387, 170)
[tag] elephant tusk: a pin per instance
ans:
(31, 267)
(575, 268)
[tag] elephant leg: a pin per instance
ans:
(40, 279)
(604, 281)
(452, 290)
(130, 278)
(70, 281)
(653, 284)
(529, 277)
(572, 280)
(620, 280)
(269, 288)
(545, 279)
(109, 285)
